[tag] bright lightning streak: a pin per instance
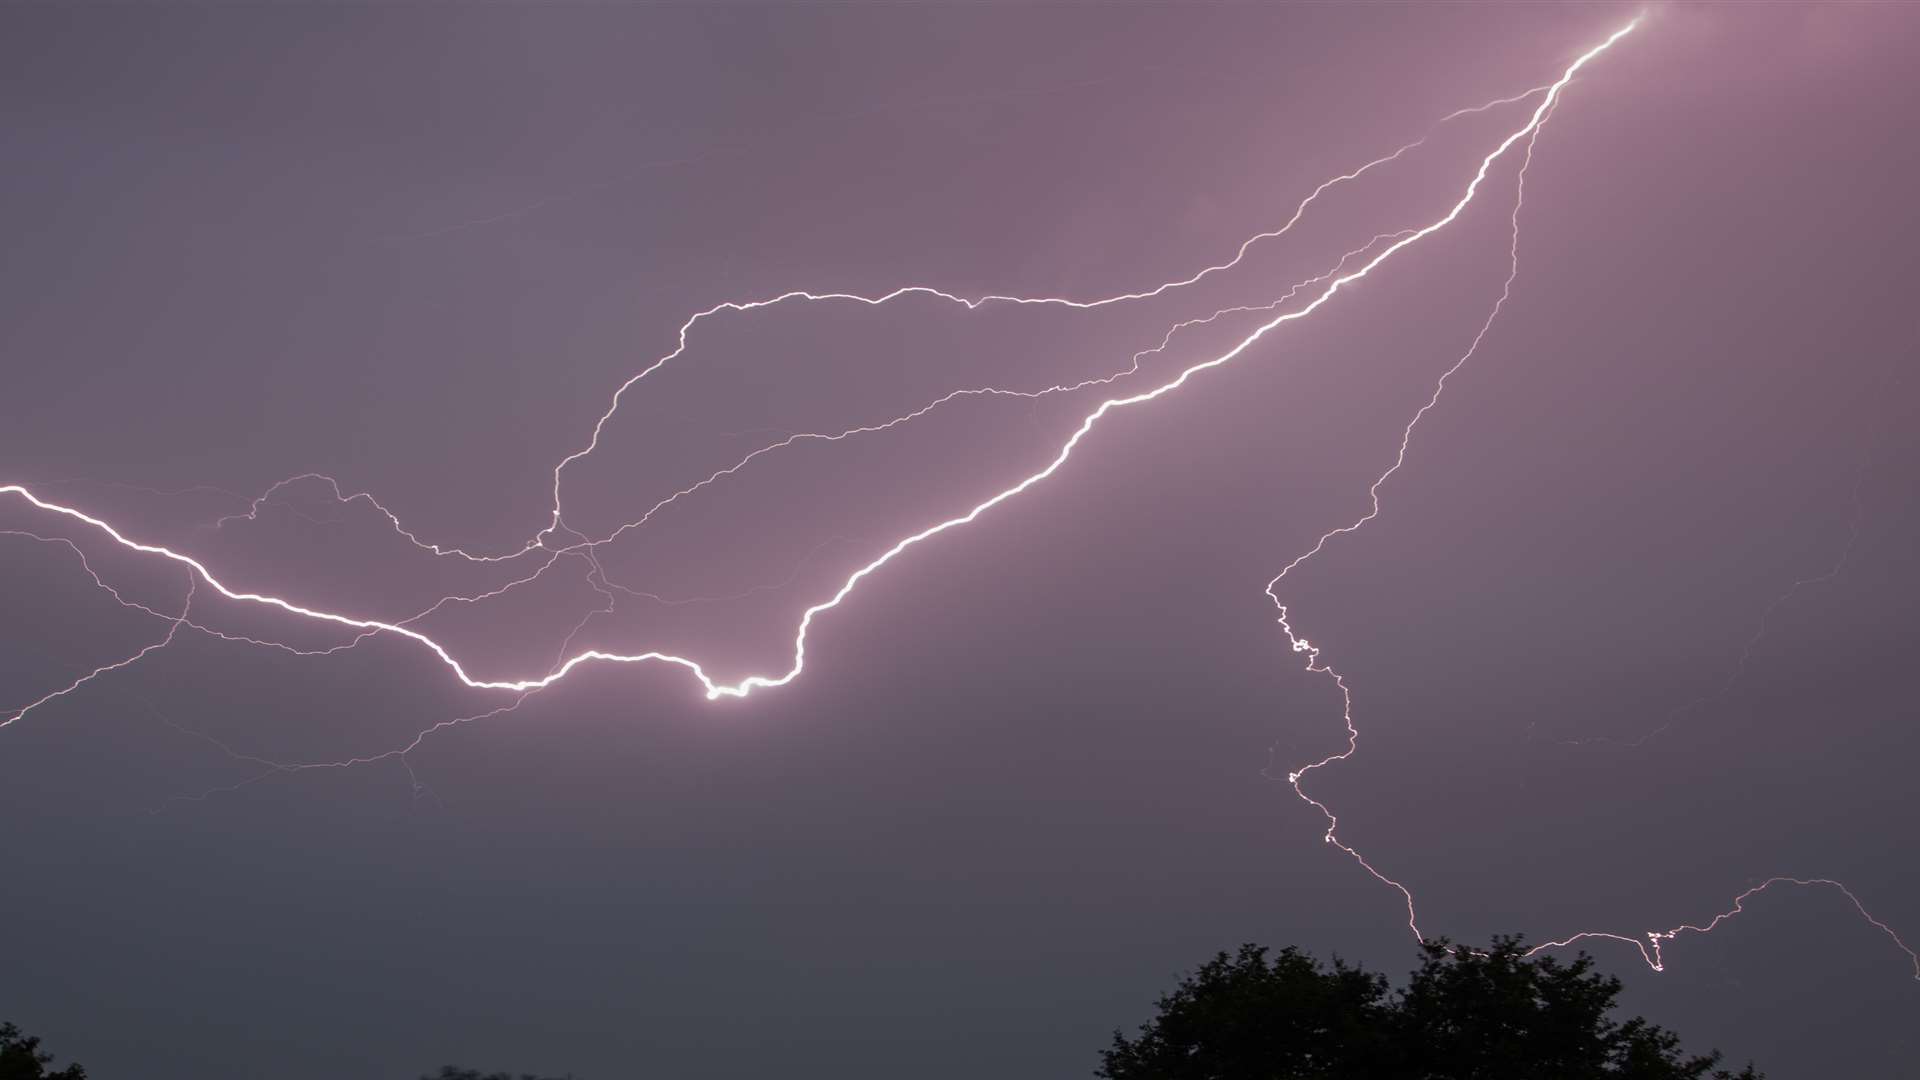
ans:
(173, 629)
(747, 685)
(1655, 939)
(750, 683)
(970, 303)
(1650, 948)
(523, 688)
(1312, 652)
(589, 546)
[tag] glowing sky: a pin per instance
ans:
(1623, 640)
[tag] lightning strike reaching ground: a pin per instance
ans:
(1311, 651)
(1650, 948)
(551, 545)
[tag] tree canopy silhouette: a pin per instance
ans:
(1465, 1014)
(455, 1072)
(22, 1059)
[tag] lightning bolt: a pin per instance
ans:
(1316, 665)
(1654, 939)
(745, 686)
(174, 622)
(553, 550)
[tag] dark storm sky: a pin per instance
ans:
(1030, 771)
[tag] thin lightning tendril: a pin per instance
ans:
(1650, 945)
(1311, 651)
(538, 541)
(744, 687)
(1650, 948)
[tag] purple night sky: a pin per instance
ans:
(1630, 635)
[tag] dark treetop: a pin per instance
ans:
(22, 1059)
(1464, 1015)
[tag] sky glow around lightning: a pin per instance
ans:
(558, 544)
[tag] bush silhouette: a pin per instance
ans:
(457, 1073)
(1465, 1014)
(22, 1059)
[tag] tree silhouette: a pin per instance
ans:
(1465, 1014)
(22, 1059)
(455, 1072)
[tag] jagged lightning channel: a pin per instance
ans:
(564, 664)
(745, 686)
